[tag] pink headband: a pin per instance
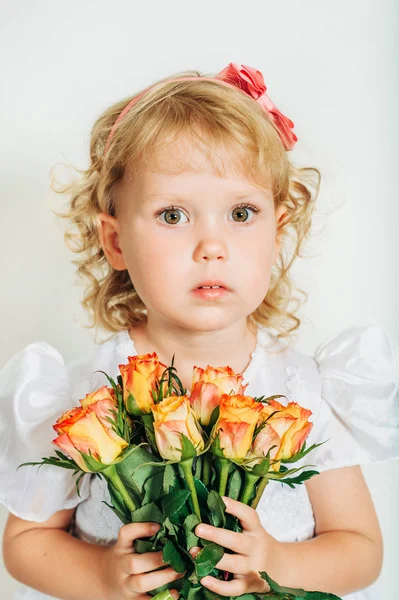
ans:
(247, 79)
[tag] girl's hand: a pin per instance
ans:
(256, 551)
(128, 574)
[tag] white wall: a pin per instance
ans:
(329, 66)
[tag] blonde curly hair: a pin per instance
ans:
(217, 117)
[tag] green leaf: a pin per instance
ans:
(198, 466)
(300, 479)
(188, 448)
(153, 487)
(142, 546)
(132, 406)
(172, 556)
(217, 509)
(215, 447)
(274, 397)
(165, 595)
(303, 451)
(61, 455)
(118, 502)
(292, 593)
(196, 593)
(190, 523)
(207, 558)
(132, 475)
(66, 464)
(187, 585)
(234, 485)
(262, 468)
(125, 520)
(282, 475)
(169, 478)
(82, 474)
(202, 492)
(148, 512)
(92, 463)
(170, 528)
(214, 416)
(233, 523)
(172, 503)
(209, 595)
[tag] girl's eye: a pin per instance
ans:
(171, 214)
(240, 211)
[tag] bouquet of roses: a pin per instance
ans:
(170, 458)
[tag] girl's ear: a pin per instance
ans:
(108, 231)
(280, 213)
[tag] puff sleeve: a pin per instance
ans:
(359, 408)
(34, 392)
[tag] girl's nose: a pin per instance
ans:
(211, 249)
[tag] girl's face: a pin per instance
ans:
(176, 230)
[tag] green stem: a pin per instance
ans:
(187, 467)
(111, 473)
(224, 472)
(165, 595)
(206, 468)
(148, 422)
(250, 481)
(259, 491)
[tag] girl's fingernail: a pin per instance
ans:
(205, 580)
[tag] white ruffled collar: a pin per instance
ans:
(265, 342)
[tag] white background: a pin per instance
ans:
(330, 66)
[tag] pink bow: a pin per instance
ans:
(251, 82)
(247, 79)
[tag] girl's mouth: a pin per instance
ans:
(210, 293)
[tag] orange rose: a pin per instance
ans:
(264, 440)
(236, 424)
(86, 428)
(291, 424)
(209, 385)
(173, 416)
(139, 377)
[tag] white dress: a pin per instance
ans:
(351, 385)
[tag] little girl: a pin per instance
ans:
(188, 220)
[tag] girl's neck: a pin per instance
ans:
(232, 346)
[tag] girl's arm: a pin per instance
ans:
(46, 557)
(346, 553)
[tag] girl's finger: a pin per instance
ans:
(235, 587)
(133, 531)
(233, 540)
(234, 563)
(247, 515)
(149, 581)
(134, 563)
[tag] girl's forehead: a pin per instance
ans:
(183, 160)
(148, 181)
(184, 155)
